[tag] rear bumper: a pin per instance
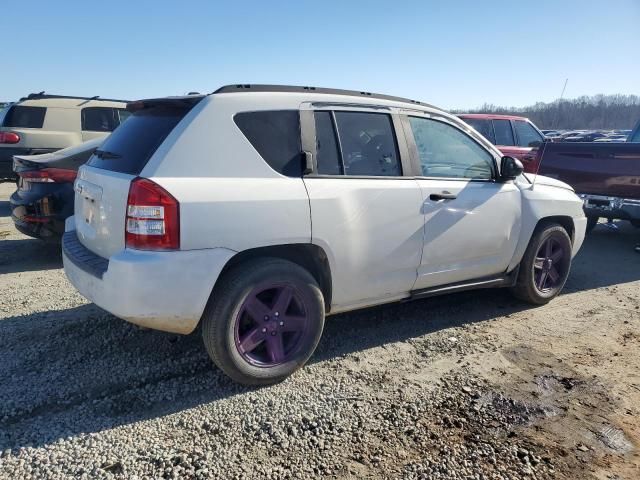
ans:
(611, 207)
(160, 290)
(42, 215)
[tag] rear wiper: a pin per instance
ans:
(105, 154)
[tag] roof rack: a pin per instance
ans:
(41, 95)
(329, 91)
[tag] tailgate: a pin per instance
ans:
(102, 186)
(100, 208)
(609, 169)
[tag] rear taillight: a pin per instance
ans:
(9, 137)
(49, 175)
(153, 217)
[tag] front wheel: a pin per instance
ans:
(263, 321)
(545, 266)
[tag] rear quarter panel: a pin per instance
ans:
(229, 196)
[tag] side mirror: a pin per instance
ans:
(510, 168)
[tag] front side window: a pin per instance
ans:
(24, 117)
(527, 135)
(504, 134)
(367, 144)
(445, 151)
(98, 119)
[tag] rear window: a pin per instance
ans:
(129, 147)
(276, 136)
(503, 132)
(19, 116)
(484, 127)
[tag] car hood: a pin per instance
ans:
(548, 181)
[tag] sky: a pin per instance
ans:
(455, 54)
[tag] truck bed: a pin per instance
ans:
(608, 169)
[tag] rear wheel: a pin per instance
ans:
(591, 223)
(545, 266)
(263, 321)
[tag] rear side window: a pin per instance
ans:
(368, 144)
(129, 148)
(504, 134)
(98, 119)
(19, 116)
(527, 135)
(275, 134)
(484, 127)
(365, 144)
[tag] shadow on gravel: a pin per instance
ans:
(5, 209)
(607, 258)
(80, 370)
(27, 255)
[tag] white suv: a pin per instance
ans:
(258, 210)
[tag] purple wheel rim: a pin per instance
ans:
(271, 325)
(549, 266)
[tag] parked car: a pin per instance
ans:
(605, 175)
(258, 210)
(514, 136)
(612, 138)
(43, 123)
(584, 137)
(44, 198)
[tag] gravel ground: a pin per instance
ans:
(473, 386)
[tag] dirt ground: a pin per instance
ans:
(474, 385)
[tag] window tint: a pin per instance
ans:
(445, 151)
(327, 156)
(129, 148)
(504, 134)
(276, 137)
(98, 119)
(527, 135)
(368, 144)
(24, 117)
(484, 127)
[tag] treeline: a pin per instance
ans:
(597, 112)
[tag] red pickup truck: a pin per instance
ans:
(605, 175)
(514, 136)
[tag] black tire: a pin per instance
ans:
(526, 287)
(224, 312)
(591, 223)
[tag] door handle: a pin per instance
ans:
(442, 196)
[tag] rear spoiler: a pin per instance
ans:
(187, 102)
